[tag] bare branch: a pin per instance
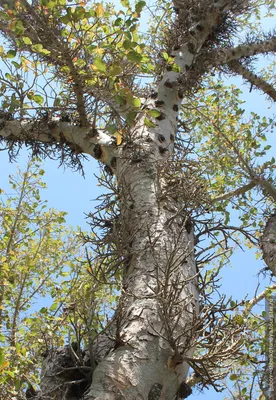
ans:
(225, 55)
(81, 140)
(254, 79)
(236, 192)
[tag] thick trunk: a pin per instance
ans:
(156, 314)
(158, 302)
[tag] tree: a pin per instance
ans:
(40, 258)
(173, 150)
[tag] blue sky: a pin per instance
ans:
(69, 191)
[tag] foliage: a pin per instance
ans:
(47, 293)
(90, 64)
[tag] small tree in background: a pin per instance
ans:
(44, 285)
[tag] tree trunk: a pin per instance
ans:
(156, 316)
(268, 244)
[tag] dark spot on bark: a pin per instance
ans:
(161, 117)
(180, 93)
(176, 10)
(176, 47)
(192, 32)
(2, 124)
(154, 95)
(65, 118)
(7, 116)
(163, 150)
(191, 48)
(93, 132)
(233, 52)
(52, 124)
(97, 151)
(159, 103)
(113, 162)
(45, 353)
(161, 138)
(155, 392)
(187, 66)
(114, 140)
(171, 138)
(169, 68)
(169, 84)
(108, 170)
(30, 393)
(200, 28)
(184, 390)
(149, 140)
(175, 107)
(188, 224)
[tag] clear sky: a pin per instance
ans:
(69, 191)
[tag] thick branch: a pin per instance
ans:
(236, 192)
(254, 79)
(174, 83)
(223, 56)
(79, 139)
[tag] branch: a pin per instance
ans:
(268, 244)
(81, 140)
(254, 79)
(224, 55)
(257, 299)
(190, 33)
(236, 192)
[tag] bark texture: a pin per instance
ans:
(268, 244)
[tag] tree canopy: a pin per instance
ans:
(188, 176)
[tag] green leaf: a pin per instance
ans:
(125, 3)
(51, 5)
(233, 377)
(19, 28)
(136, 102)
(27, 40)
(134, 56)
(112, 128)
(120, 100)
(39, 48)
(149, 123)
(8, 76)
(115, 70)
(100, 64)
(2, 356)
(54, 306)
(154, 113)
(16, 64)
(127, 44)
(38, 99)
(140, 5)
(11, 54)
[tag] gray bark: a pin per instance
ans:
(268, 244)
